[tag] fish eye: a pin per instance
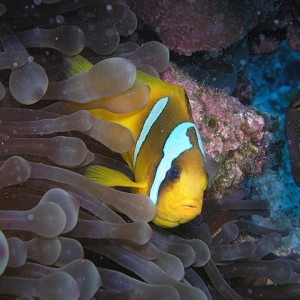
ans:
(173, 174)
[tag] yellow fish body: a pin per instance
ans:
(167, 159)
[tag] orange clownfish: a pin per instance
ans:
(167, 159)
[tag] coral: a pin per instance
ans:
(275, 21)
(233, 134)
(189, 26)
(244, 89)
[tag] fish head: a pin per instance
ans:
(180, 196)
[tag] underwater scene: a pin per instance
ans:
(150, 149)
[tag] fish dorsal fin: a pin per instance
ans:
(110, 177)
(146, 78)
(76, 64)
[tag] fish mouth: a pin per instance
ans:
(189, 206)
(180, 213)
(188, 211)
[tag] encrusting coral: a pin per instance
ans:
(204, 25)
(233, 134)
(65, 237)
(215, 25)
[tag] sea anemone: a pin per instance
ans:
(65, 237)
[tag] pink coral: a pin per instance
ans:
(189, 26)
(233, 134)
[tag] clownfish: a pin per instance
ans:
(167, 159)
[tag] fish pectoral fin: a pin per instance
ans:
(110, 177)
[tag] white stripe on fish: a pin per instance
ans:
(155, 112)
(177, 142)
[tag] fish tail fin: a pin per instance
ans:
(109, 177)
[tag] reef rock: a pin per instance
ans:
(189, 26)
(233, 134)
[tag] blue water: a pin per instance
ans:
(274, 77)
